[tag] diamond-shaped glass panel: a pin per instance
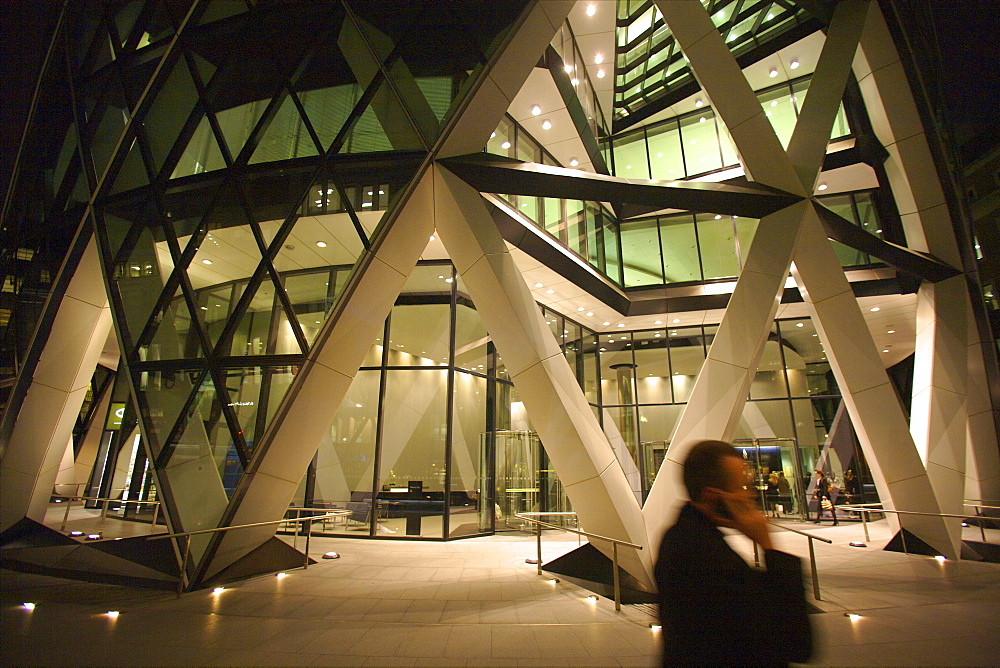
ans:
(254, 395)
(172, 335)
(170, 111)
(202, 153)
(140, 279)
(286, 137)
(163, 395)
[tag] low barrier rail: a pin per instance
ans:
(530, 517)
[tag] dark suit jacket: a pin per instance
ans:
(716, 609)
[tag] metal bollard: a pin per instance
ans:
(539, 539)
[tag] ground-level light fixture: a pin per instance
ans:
(331, 555)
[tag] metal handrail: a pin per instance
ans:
(614, 546)
(104, 511)
(187, 543)
(868, 507)
(812, 554)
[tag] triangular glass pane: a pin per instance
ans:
(202, 153)
(328, 109)
(125, 19)
(237, 124)
(286, 137)
(117, 229)
(105, 138)
(206, 70)
(438, 93)
(205, 435)
(140, 279)
(263, 329)
(214, 305)
(132, 173)
(312, 295)
(254, 395)
(173, 337)
(222, 9)
(162, 396)
(170, 111)
(384, 126)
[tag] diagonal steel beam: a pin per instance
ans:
(732, 98)
(497, 175)
(807, 147)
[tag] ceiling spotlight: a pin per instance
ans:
(432, 237)
(575, 81)
(573, 162)
(321, 244)
(773, 73)
(698, 102)
(600, 74)
(546, 125)
(539, 285)
(598, 59)
(206, 262)
(605, 323)
(675, 320)
(793, 65)
(621, 324)
(505, 145)
(591, 9)
(580, 308)
(657, 322)
(493, 134)
(568, 68)
(890, 331)
(885, 350)
(821, 186)
(536, 110)
(550, 291)
(875, 308)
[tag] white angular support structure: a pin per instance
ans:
(878, 417)
(592, 477)
(306, 413)
(45, 423)
(720, 391)
(731, 96)
(982, 459)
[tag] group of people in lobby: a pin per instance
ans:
(827, 490)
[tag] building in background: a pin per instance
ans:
(446, 263)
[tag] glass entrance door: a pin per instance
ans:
(774, 474)
(525, 480)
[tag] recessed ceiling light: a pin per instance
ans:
(505, 145)
(793, 65)
(321, 244)
(206, 262)
(536, 110)
(598, 58)
(675, 320)
(432, 237)
(600, 74)
(573, 162)
(546, 125)
(657, 322)
(575, 81)
(605, 323)
(493, 135)
(774, 103)
(698, 102)
(701, 120)
(875, 308)
(799, 324)
(773, 73)
(717, 217)
(588, 313)
(591, 9)
(580, 308)
(891, 331)
(550, 291)
(885, 350)
(621, 324)
(539, 285)
(821, 186)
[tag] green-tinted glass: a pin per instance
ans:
(470, 506)
(140, 279)
(680, 250)
(641, 253)
(169, 112)
(285, 138)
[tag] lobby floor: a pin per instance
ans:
(476, 602)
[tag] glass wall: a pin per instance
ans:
(698, 143)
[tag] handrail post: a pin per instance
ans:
(156, 514)
(864, 523)
(815, 573)
(618, 591)
(902, 536)
(982, 525)
(104, 516)
(539, 539)
(184, 562)
(756, 555)
(69, 502)
(309, 530)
